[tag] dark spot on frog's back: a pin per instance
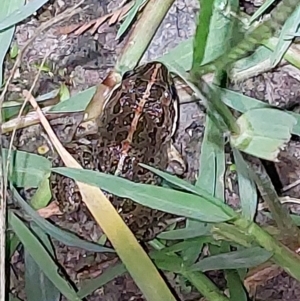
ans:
(152, 136)
(117, 108)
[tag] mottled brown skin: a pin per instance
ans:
(136, 126)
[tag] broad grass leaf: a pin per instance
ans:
(235, 285)
(12, 242)
(244, 103)
(68, 238)
(108, 275)
(188, 244)
(160, 198)
(41, 256)
(246, 258)
(42, 196)
(19, 13)
(205, 17)
(168, 262)
(6, 33)
(186, 186)
(186, 233)
(262, 9)
(263, 132)
(291, 25)
(212, 161)
(130, 17)
(76, 103)
(37, 285)
(247, 188)
(184, 50)
(27, 170)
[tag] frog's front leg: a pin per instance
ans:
(176, 164)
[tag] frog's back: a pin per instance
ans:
(137, 123)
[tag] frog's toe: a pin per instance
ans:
(176, 164)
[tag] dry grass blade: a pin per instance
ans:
(88, 25)
(4, 170)
(112, 224)
(25, 121)
(110, 221)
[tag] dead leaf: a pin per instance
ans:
(95, 106)
(98, 23)
(88, 25)
(258, 276)
(67, 29)
(115, 16)
(51, 210)
(126, 10)
(112, 18)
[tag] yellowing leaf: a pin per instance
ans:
(263, 132)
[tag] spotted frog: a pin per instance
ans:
(136, 126)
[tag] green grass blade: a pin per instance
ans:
(42, 196)
(168, 262)
(185, 186)
(291, 25)
(269, 195)
(205, 286)
(246, 258)
(212, 161)
(130, 17)
(261, 10)
(282, 256)
(37, 285)
(160, 198)
(202, 32)
(244, 103)
(236, 289)
(65, 237)
(19, 14)
(6, 7)
(221, 25)
(247, 188)
(184, 50)
(76, 103)
(27, 170)
(258, 35)
(13, 242)
(41, 256)
(233, 278)
(108, 275)
(200, 229)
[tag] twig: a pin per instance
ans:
(290, 186)
(5, 171)
(21, 111)
(2, 224)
